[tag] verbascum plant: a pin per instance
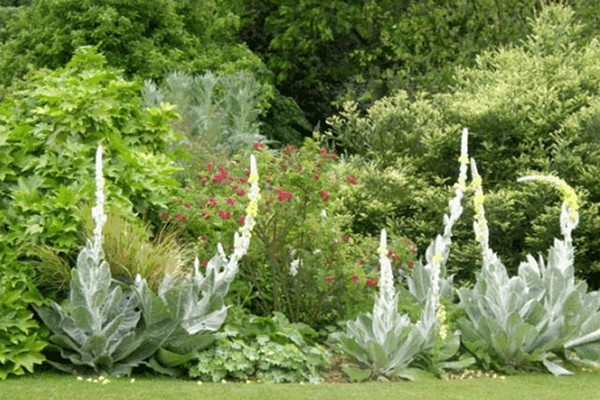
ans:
(95, 330)
(387, 343)
(542, 315)
(192, 305)
(106, 327)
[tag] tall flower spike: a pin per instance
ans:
(569, 216)
(385, 309)
(98, 210)
(480, 226)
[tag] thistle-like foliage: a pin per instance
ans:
(95, 330)
(192, 305)
(536, 315)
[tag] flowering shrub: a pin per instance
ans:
(304, 262)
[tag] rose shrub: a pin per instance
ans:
(304, 260)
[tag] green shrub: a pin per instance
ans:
(302, 262)
(144, 38)
(528, 107)
(21, 339)
(50, 127)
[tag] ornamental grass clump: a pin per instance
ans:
(387, 343)
(541, 316)
(109, 327)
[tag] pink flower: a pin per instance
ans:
(329, 279)
(221, 176)
(258, 146)
(392, 255)
(282, 195)
(354, 278)
(346, 238)
(180, 217)
(212, 202)
(209, 166)
(204, 262)
(410, 264)
(324, 195)
(230, 201)
(371, 282)
(224, 214)
(351, 179)
(187, 205)
(241, 219)
(241, 192)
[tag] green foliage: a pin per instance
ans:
(532, 106)
(321, 52)
(21, 340)
(129, 250)
(271, 350)
(49, 128)
(302, 263)
(144, 38)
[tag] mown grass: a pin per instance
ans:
(49, 386)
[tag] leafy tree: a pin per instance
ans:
(322, 51)
(144, 37)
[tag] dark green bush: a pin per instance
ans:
(533, 107)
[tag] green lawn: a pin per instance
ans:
(50, 386)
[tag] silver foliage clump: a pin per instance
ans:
(106, 327)
(541, 315)
(95, 330)
(386, 342)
